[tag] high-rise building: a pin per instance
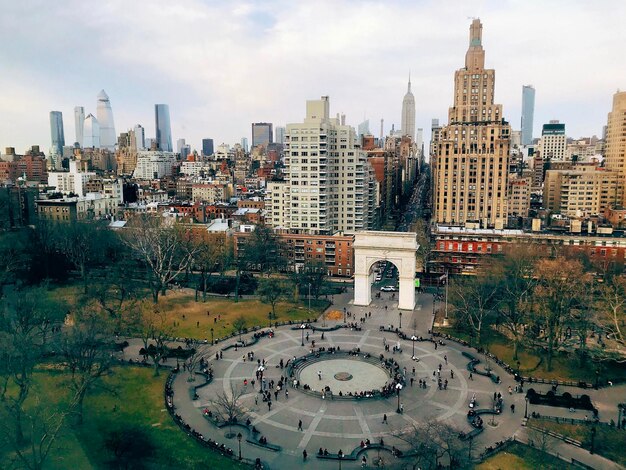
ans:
(91, 132)
(104, 113)
(553, 142)
(330, 185)
(262, 133)
(207, 147)
(244, 144)
(528, 113)
(615, 146)
(180, 143)
(140, 137)
(472, 152)
(57, 135)
(79, 123)
(280, 135)
(162, 126)
(408, 113)
(435, 131)
(364, 128)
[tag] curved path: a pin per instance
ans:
(343, 424)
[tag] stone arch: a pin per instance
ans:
(398, 248)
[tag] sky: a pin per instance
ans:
(221, 65)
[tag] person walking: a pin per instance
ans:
(300, 425)
(319, 374)
(304, 455)
(512, 407)
(385, 419)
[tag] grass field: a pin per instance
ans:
(521, 457)
(137, 402)
(195, 319)
(564, 366)
(609, 442)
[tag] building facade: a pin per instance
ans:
(528, 114)
(154, 164)
(472, 152)
(553, 141)
(79, 122)
(104, 113)
(615, 146)
(262, 133)
(207, 147)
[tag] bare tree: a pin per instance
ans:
(239, 324)
(87, 354)
(474, 299)
(612, 306)
(211, 256)
(155, 330)
(228, 406)
(271, 291)
(166, 250)
(435, 441)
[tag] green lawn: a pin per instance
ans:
(609, 442)
(192, 320)
(138, 402)
(521, 457)
(564, 366)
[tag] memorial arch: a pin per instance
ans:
(398, 248)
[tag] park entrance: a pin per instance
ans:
(398, 248)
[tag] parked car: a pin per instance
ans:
(387, 289)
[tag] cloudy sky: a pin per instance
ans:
(221, 65)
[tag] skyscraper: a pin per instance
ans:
(244, 144)
(162, 126)
(261, 133)
(180, 143)
(207, 147)
(91, 132)
(56, 132)
(615, 149)
(104, 113)
(553, 141)
(408, 113)
(364, 128)
(528, 113)
(471, 155)
(280, 135)
(140, 137)
(79, 122)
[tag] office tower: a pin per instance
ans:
(615, 146)
(553, 142)
(244, 144)
(91, 132)
(364, 128)
(408, 113)
(56, 132)
(162, 126)
(528, 113)
(126, 153)
(329, 185)
(104, 114)
(280, 135)
(150, 142)
(140, 137)
(79, 123)
(185, 151)
(180, 143)
(471, 155)
(207, 147)
(261, 133)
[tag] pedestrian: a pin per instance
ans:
(445, 384)
(471, 376)
(512, 407)
(445, 358)
(319, 374)
(385, 419)
(304, 454)
(413, 371)
(300, 426)
(286, 394)
(197, 324)
(401, 408)
(256, 399)
(435, 346)
(412, 379)
(269, 406)
(451, 374)
(363, 462)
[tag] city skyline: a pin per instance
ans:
(272, 41)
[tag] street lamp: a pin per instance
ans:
(309, 299)
(593, 439)
(526, 409)
(344, 314)
(302, 327)
(518, 367)
(212, 342)
(239, 436)
(597, 378)
(413, 339)
(340, 456)
(398, 388)
(400, 315)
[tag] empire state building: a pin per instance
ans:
(472, 151)
(408, 113)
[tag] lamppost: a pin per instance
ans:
(302, 327)
(344, 314)
(593, 439)
(518, 367)
(413, 339)
(340, 456)
(239, 436)
(597, 378)
(400, 315)
(212, 342)
(526, 409)
(309, 299)
(398, 388)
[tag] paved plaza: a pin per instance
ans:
(335, 424)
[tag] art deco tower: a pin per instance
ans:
(472, 151)
(104, 113)
(408, 113)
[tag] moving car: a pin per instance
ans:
(387, 289)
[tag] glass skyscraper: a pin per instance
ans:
(528, 112)
(262, 133)
(56, 132)
(207, 147)
(162, 126)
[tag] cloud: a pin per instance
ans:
(222, 65)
